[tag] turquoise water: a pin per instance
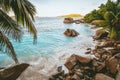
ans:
(52, 45)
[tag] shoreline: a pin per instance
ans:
(71, 63)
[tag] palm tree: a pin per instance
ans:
(10, 28)
(111, 21)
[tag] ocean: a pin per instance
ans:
(52, 47)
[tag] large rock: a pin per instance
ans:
(75, 77)
(118, 46)
(113, 51)
(118, 75)
(71, 33)
(113, 63)
(79, 21)
(101, 76)
(83, 60)
(71, 62)
(74, 59)
(109, 43)
(68, 20)
(12, 73)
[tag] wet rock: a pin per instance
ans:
(108, 43)
(98, 47)
(83, 60)
(71, 33)
(118, 46)
(74, 59)
(68, 20)
(58, 74)
(79, 73)
(117, 56)
(101, 51)
(118, 75)
(75, 77)
(51, 78)
(59, 69)
(104, 57)
(101, 66)
(113, 51)
(97, 55)
(71, 62)
(112, 64)
(78, 21)
(88, 51)
(12, 73)
(100, 76)
(68, 78)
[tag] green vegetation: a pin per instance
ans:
(10, 28)
(72, 16)
(108, 17)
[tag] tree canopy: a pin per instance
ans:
(108, 16)
(24, 13)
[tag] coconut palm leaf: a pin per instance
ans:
(24, 12)
(9, 26)
(113, 33)
(6, 46)
(5, 5)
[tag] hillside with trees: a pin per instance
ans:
(108, 17)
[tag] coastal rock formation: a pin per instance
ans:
(79, 21)
(68, 20)
(101, 76)
(71, 62)
(113, 60)
(118, 75)
(12, 73)
(71, 33)
(118, 46)
(75, 59)
(105, 65)
(71, 20)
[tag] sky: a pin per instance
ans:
(51, 8)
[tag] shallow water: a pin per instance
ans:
(52, 47)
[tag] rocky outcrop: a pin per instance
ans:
(75, 59)
(71, 62)
(104, 66)
(68, 20)
(71, 20)
(101, 76)
(79, 21)
(71, 33)
(12, 73)
(113, 69)
(118, 75)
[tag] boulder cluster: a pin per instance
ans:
(104, 66)
(71, 20)
(71, 33)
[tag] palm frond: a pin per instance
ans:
(9, 26)
(5, 5)
(24, 12)
(113, 34)
(5, 45)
